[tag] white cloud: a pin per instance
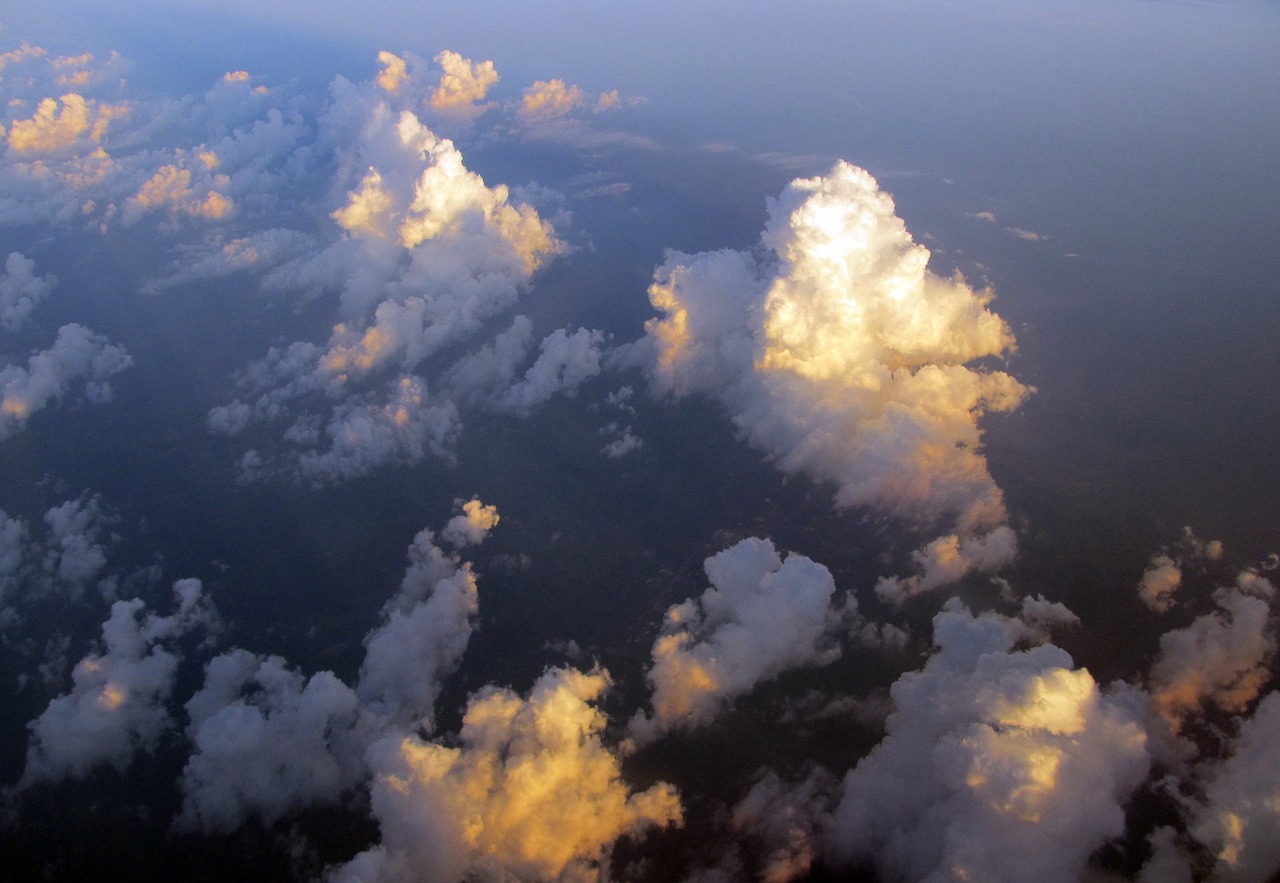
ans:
(490, 370)
(116, 704)
(1238, 818)
(463, 85)
(549, 100)
(1222, 658)
(998, 763)
(564, 361)
(760, 617)
(1159, 583)
(21, 290)
(77, 354)
(266, 741)
(65, 123)
(472, 526)
(845, 357)
(947, 560)
(530, 792)
(431, 254)
(421, 640)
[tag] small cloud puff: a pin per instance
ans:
(472, 526)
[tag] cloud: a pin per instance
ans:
(760, 617)
(171, 188)
(62, 124)
(549, 100)
(266, 741)
(423, 635)
(564, 361)
(77, 354)
(21, 290)
(998, 763)
(116, 704)
(1029, 235)
(490, 370)
(463, 85)
(947, 560)
(530, 792)
(219, 257)
(625, 442)
(842, 356)
(431, 253)
(394, 72)
(1222, 658)
(1237, 818)
(1163, 576)
(1159, 583)
(472, 526)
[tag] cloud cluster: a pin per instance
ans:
(1222, 658)
(63, 559)
(998, 763)
(116, 704)
(430, 254)
(842, 356)
(21, 290)
(76, 355)
(265, 741)
(760, 617)
(463, 85)
(947, 559)
(530, 792)
(1237, 819)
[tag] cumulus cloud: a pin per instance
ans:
(1237, 819)
(549, 100)
(400, 425)
(77, 354)
(472, 525)
(624, 442)
(947, 560)
(430, 254)
(1163, 576)
(564, 361)
(67, 122)
(842, 356)
(21, 290)
(530, 792)
(761, 616)
(998, 763)
(463, 85)
(424, 633)
(171, 189)
(1222, 658)
(266, 741)
(116, 704)
(394, 72)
